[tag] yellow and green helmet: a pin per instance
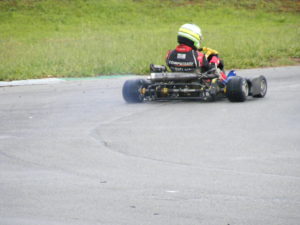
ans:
(192, 33)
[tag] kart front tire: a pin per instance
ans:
(237, 89)
(132, 91)
(259, 87)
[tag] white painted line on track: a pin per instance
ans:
(57, 80)
(31, 82)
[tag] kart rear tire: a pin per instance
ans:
(237, 89)
(259, 87)
(131, 91)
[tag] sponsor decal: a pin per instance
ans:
(180, 63)
(181, 56)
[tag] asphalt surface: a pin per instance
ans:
(75, 153)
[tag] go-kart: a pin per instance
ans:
(163, 85)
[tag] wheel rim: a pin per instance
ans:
(245, 88)
(263, 87)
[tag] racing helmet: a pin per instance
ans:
(190, 34)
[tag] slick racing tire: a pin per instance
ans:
(132, 90)
(259, 87)
(237, 89)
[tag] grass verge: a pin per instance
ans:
(76, 38)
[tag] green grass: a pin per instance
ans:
(76, 38)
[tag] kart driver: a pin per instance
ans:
(188, 56)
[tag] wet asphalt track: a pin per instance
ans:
(75, 153)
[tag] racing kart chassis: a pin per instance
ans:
(164, 85)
